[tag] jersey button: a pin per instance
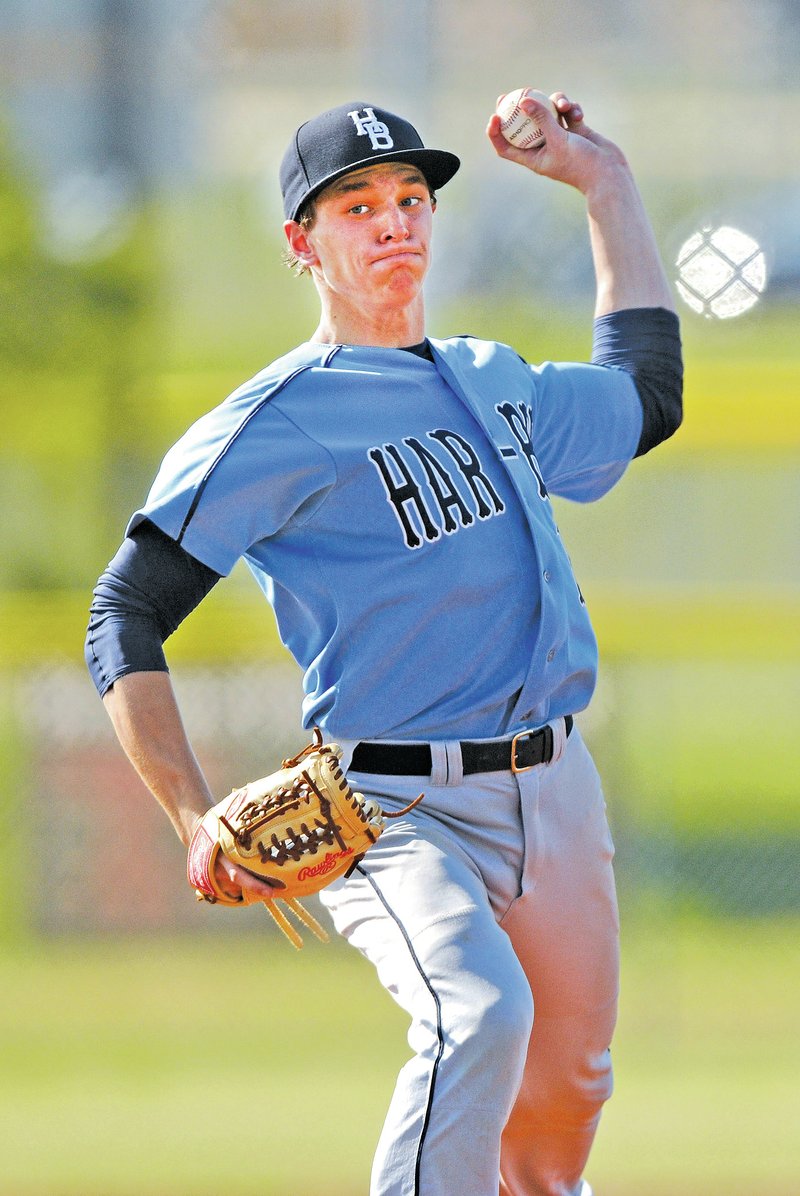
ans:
(551, 654)
(547, 575)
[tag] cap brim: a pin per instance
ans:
(438, 166)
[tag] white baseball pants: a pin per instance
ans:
(490, 914)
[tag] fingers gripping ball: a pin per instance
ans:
(302, 826)
(516, 125)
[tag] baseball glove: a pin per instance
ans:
(302, 825)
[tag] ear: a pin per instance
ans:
(299, 243)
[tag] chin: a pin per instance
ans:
(406, 276)
(402, 296)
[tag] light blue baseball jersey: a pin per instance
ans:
(396, 513)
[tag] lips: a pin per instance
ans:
(398, 253)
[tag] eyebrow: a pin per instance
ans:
(343, 187)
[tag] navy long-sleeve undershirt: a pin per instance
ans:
(646, 343)
(146, 592)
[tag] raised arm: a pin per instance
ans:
(628, 268)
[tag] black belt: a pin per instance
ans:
(525, 750)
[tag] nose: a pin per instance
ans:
(395, 226)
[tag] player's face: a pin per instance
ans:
(371, 234)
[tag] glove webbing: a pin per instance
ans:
(297, 843)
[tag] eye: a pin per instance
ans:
(359, 209)
(411, 201)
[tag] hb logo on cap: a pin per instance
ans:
(379, 136)
(334, 143)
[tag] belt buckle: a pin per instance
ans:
(514, 766)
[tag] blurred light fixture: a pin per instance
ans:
(88, 215)
(721, 272)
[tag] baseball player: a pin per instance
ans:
(391, 494)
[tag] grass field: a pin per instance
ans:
(125, 1065)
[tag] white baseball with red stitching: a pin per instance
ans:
(518, 128)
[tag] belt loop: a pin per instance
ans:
(348, 747)
(559, 730)
(439, 769)
(455, 763)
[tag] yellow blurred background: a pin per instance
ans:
(141, 281)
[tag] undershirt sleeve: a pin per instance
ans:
(146, 592)
(646, 343)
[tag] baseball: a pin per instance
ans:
(517, 127)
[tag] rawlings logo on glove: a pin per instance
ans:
(302, 825)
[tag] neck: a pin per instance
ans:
(341, 324)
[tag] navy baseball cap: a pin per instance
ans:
(347, 138)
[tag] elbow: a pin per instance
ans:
(101, 681)
(662, 415)
(120, 641)
(672, 414)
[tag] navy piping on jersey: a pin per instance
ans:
(271, 395)
(439, 1029)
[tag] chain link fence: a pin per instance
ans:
(105, 859)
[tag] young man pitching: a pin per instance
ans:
(391, 494)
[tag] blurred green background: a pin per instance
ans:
(141, 281)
